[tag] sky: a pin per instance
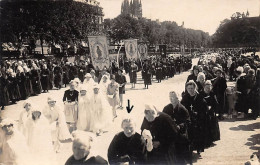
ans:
(203, 15)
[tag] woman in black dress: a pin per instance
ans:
(219, 88)
(193, 76)
(197, 108)
(4, 96)
(13, 88)
(35, 78)
(133, 73)
(45, 78)
(213, 133)
(147, 74)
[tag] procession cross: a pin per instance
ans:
(191, 107)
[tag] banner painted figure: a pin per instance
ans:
(142, 50)
(131, 49)
(99, 51)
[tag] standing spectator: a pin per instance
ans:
(4, 96)
(219, 88)
(241, 92)
(45, 76)
(57, 76)
(35, 78)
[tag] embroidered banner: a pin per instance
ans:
(99, 51)
(131, 49)
(142, 51)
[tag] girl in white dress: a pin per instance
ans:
(84, 110)
(24, 116)
(104, 84)
(39, 139)
(56, 118)
(101, 111)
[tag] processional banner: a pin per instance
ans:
(131, 49)
(99, 51)
(142, 51)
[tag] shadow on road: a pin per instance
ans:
(254, 143)
(253, 140)
(250, 127)
(129, 89)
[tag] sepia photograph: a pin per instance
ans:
(130, 82)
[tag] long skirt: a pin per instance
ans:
(29, 88)
(133, 77)
(45, 83)
(159, 75)
(14, 93)
(4, 97)
(113, 101)
(147, 79)
(71, 112)
(57, 80)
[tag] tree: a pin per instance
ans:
(53, 22)
(243, 32)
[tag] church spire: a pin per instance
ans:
(247, 13)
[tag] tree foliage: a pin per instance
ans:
(242, 32)
(167, 32)
(55, 22)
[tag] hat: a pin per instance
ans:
(208, 82)
(96, 86)
(72, 82)
(150, 107)
(92, 71)
(88, 75)
(6, 121)
(104, 76)
(195, 67)
(240, 69)
(27, 102)
(218, 70)
(50, 99)
(77, 80)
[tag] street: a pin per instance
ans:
(239, 138)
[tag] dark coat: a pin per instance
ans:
(91, 161)
(164, 130)
(121, 145)
(197, 108)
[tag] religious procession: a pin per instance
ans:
(78, 89)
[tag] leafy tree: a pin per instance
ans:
(241, 32)
(53, 22)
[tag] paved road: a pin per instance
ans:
(239, 139)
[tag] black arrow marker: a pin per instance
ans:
(128, 107)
